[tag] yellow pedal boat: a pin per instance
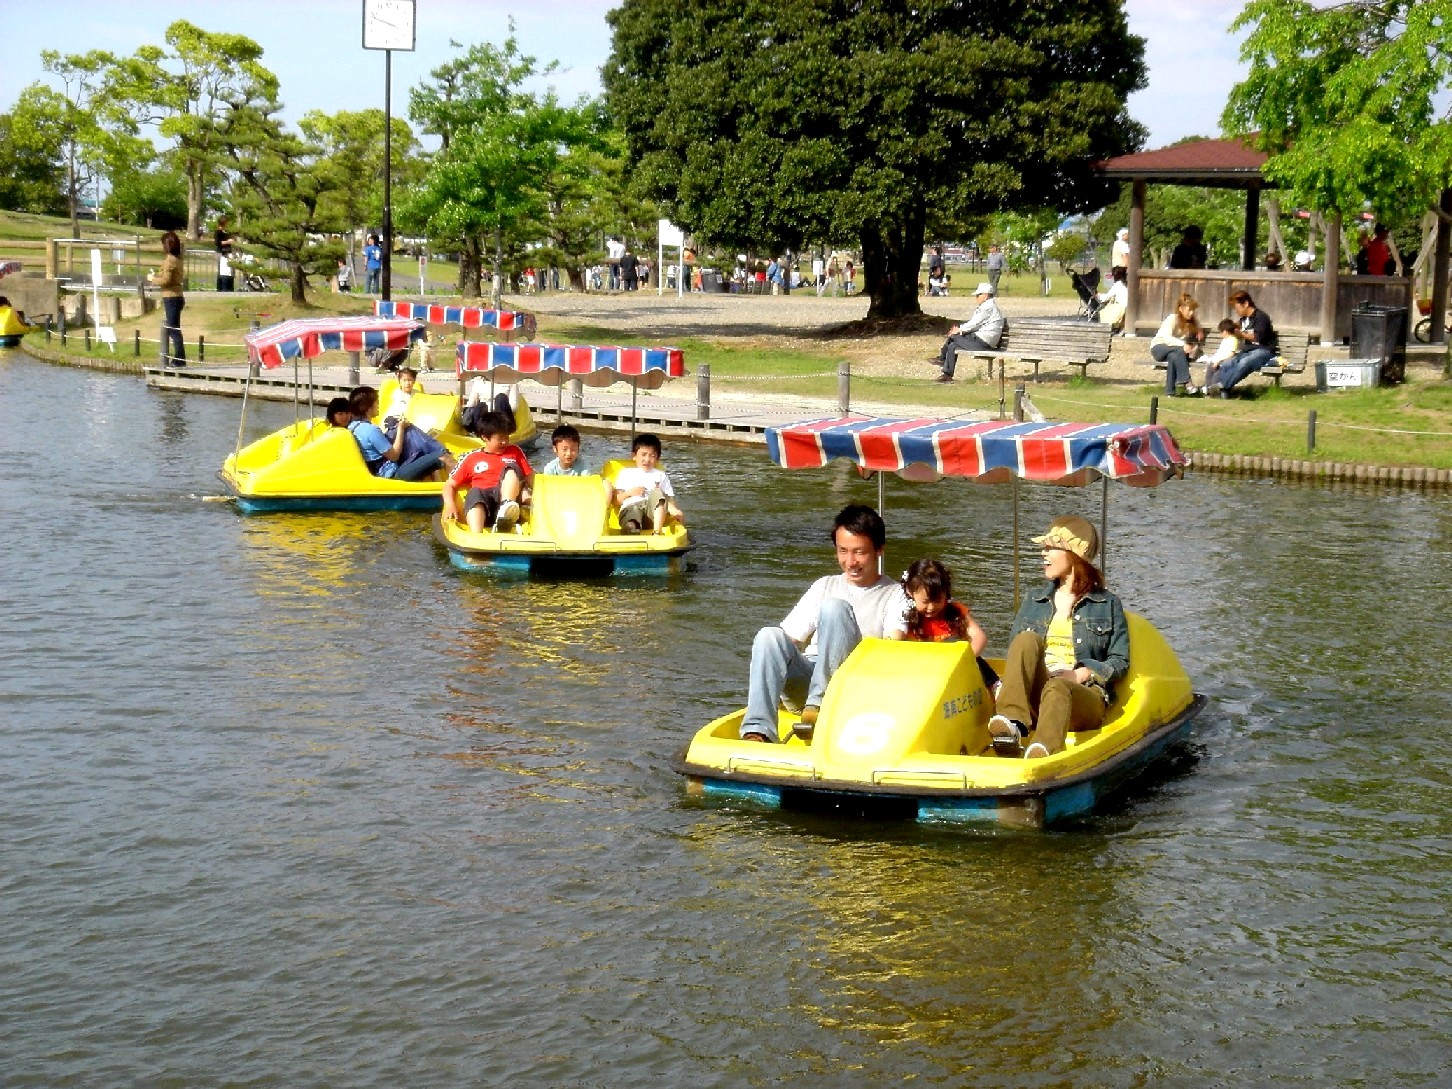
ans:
(903, 728)
(569, 528)
(310, 465)
(12, 329)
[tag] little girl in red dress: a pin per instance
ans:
(936, 618)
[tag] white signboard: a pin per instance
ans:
(670, 234)
(1351, 375)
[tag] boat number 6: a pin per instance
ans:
(865, 733)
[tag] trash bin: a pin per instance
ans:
(710, 280)
(1380, 332)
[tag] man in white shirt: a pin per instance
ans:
(980, 333)
(794, 662)
(614, 250)
(1119, 252)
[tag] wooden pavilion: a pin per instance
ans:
(1311, 302)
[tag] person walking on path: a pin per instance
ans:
(222, 240)
(995, 266)
(373, 258)
(980, 333)
(170, 280)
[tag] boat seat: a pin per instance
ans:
(572, 511)
(306, 432)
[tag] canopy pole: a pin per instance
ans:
(1017, 547)
(296, 391)
(634, 392)
(312, 393)
(1104, 526)
(560, 400)
(881, 508)
(242, 423)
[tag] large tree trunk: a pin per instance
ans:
(194, 200)
(469, 268)
(299, 280)
(892, 256)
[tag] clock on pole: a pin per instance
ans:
(388, 24)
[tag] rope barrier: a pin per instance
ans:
(1175, 410)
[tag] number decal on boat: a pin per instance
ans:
(866, 733)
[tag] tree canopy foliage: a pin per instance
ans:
(1345, 99)
(773, 125)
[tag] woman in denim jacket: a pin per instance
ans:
(1070, 643)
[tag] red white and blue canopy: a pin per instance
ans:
(7, 267)
(309, 337)
(469, 317)
(552, 364)
(989, 452)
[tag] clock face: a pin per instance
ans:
(388, 24)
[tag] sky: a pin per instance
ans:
(315, 47)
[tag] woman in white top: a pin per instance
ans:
(1179, 341)
(1114, 300)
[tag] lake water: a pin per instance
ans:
(287, 801)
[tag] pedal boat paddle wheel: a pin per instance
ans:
(311, 465)
(569, 527)
(903, 728)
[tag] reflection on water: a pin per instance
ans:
(292, 802)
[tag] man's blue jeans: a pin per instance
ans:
(1242, 364)
(779, 669)
(375, 281)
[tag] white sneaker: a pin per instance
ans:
(1035, 751)
(508, 515)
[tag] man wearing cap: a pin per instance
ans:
(1119, 252)
(980, 333)
(1069, 644)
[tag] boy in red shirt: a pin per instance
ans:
(495, 476)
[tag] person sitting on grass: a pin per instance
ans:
(792, 662)
(565, 441)
(935, 617)
(1069, 644)
(642, 492)
(387, 457)
(495, 478)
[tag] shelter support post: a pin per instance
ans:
(703, 392)
(1439, 268)
(1331, 279)
(1252, 226)
(844, 388)
(1136, 247)
(577, 395)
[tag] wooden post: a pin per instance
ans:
(1136, 246)
(88, 340)
(1002, 387)
(1154, 410)
(577, 395)
(353, 376)
(844, 388)
(1252, 225)
(1018, 393)
(52, 258)
(1311, 432)
(136, 342)
(703, 391)
(201, 348)
(1331, 280)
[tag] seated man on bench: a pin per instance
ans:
(980, 333)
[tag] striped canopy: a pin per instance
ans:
(552, 364)
(469, 317)
(7, 267)
(309, 337)
(989, 452)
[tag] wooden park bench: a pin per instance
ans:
(1044, 340)
(1290, 359)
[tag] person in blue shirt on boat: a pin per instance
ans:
(373, 263)
(565, 441)
(793, 662)
(1069, 644)
(391, 458)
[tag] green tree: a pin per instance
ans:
(30, 174)
(497, 144)
(1345, 99)
(352, 149)
(285, 194)
(148, 198)
(82, 121)
(1169, 209)
(189, 90)
(766, 125)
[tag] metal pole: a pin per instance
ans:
(386, 280)
(1154, 410)
(634, 392)
(1104, 527)
(881, 506)
(560, 401)
(1017, 546)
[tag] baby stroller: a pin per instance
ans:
(1086, 287)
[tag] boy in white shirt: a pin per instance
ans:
(643, 492)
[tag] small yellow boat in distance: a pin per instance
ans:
(903, 727)
(12, 329)
(569, 528)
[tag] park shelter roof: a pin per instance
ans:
(1231, 164)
